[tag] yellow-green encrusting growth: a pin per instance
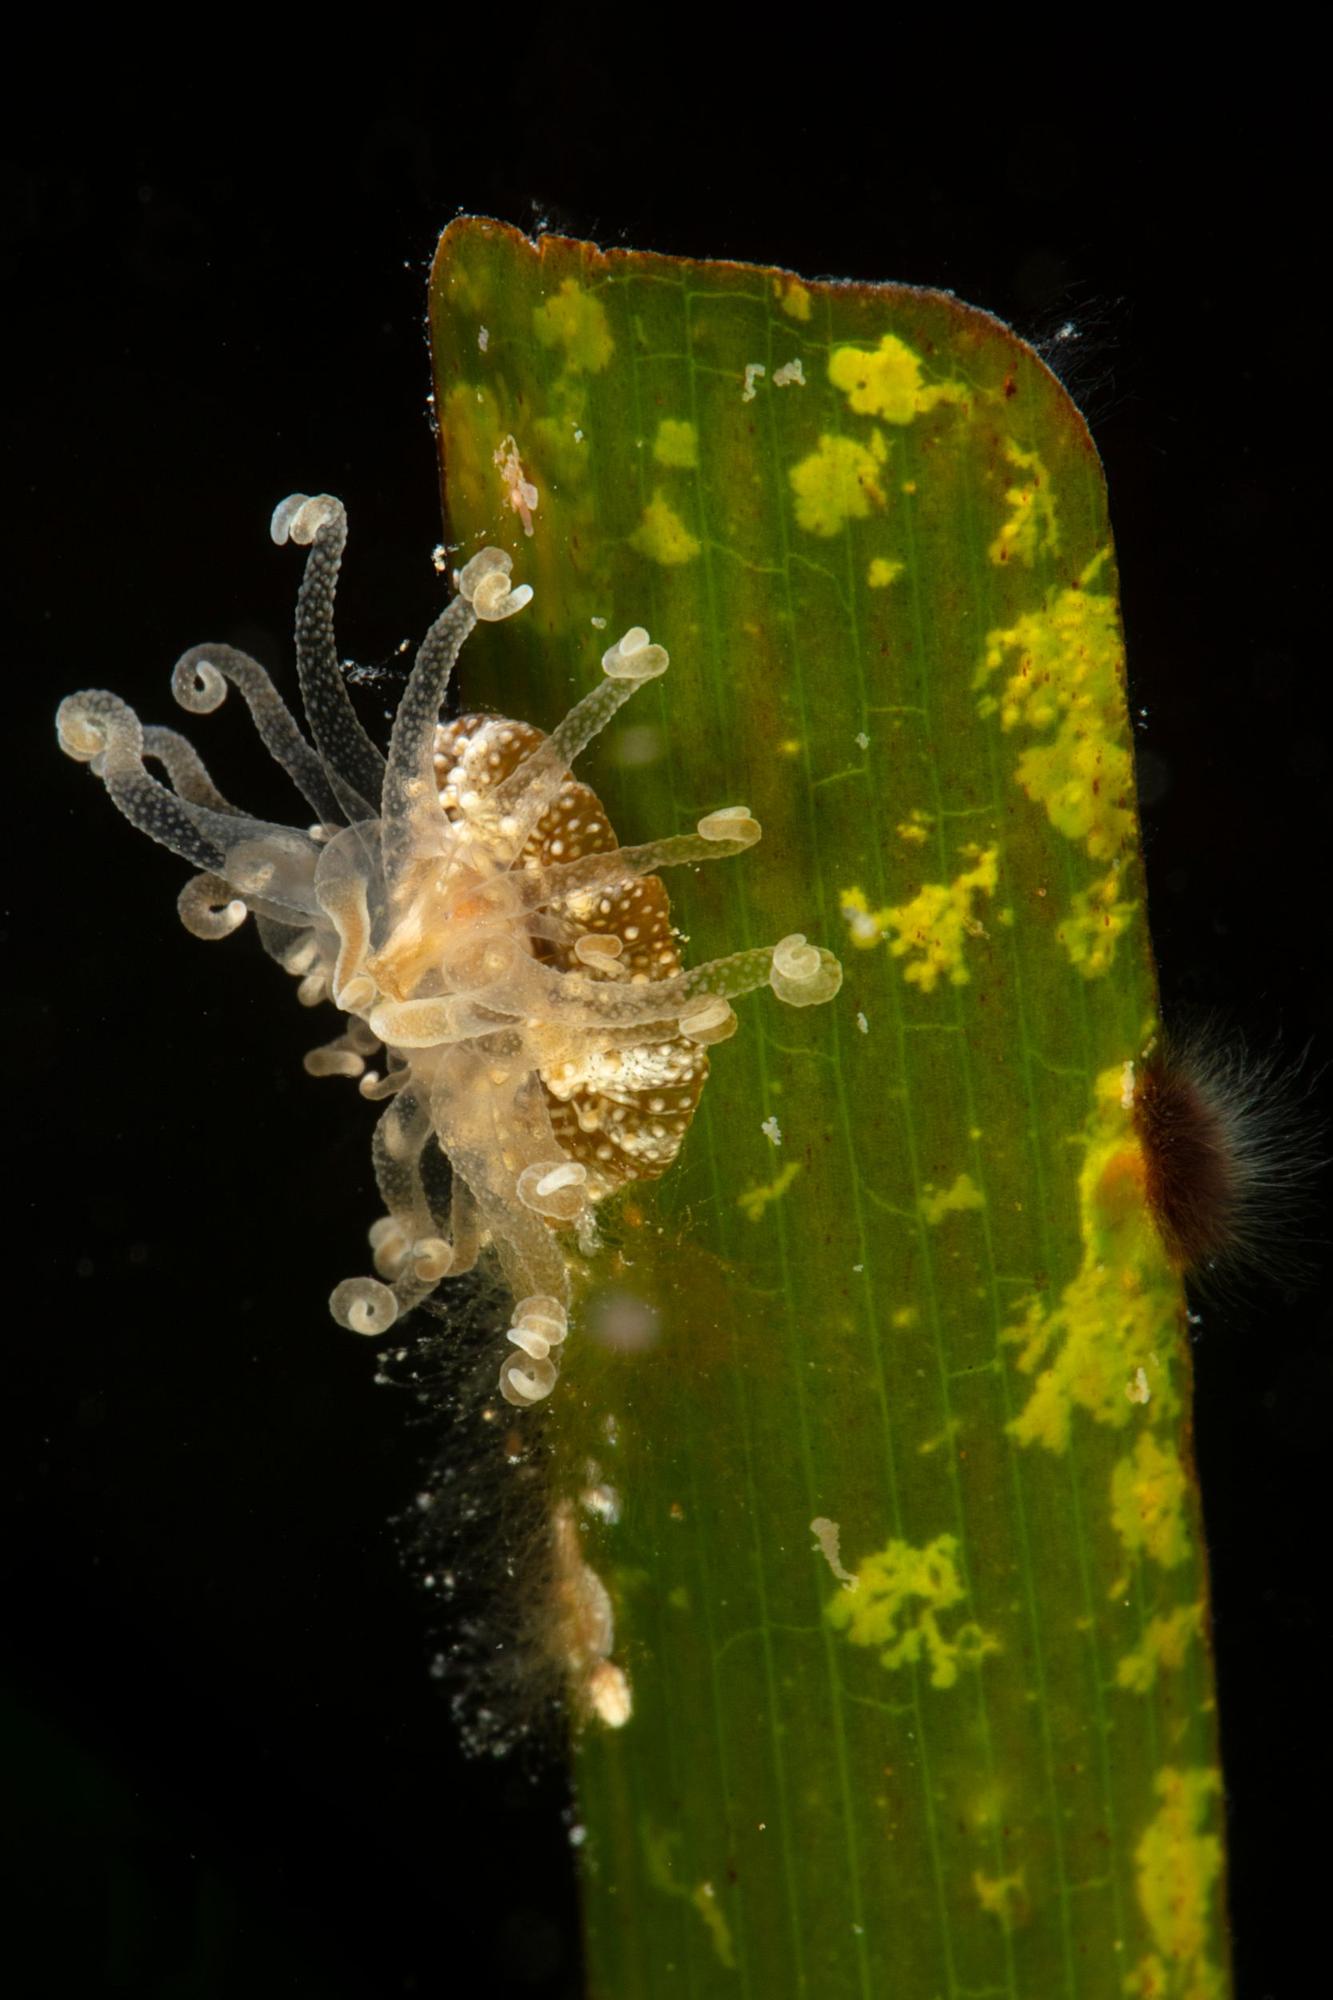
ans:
(1065, 665)
(895, 1604)
(932, 929)
(575, 322)
(1086, 1348)
(889, 381)
(839, 481)
(1032, 528)
(1179, 1861)
(1162, 1648)
(1148, 1502)
(662, 535)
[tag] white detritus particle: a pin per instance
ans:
(789, 373)
(608, 1695)
(578, 435)
(1127, 1089)
(483, 338)
(602, 1501)
(1138, 1390)
(772, 1131)
(827, 1535)
(599, 624)
(439, 557)
(577, 1835)
(753, 370)
(863, 1024)
(862, 740)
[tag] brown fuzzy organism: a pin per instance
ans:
(1231, 1154)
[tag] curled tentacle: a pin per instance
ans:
(185, 768)
(628, 666)
(199, 683)
(354, 765)
(412, 818)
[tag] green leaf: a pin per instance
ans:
(889, 1373)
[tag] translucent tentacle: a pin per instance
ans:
(274, 864)
(530, 789)
(98, 728)
(731, 831)
(199, 683)
(354, 765)
(412, 816)
(185, 768)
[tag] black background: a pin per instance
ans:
(228, 1769)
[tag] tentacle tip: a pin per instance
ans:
(736, 823)
(363, 1305)
(196, 683)
(300, 517)
(635, 658)
(79, 735)
(803, 975)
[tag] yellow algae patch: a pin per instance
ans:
(1163, 1646)
(1115, 1314)
(882, 572)
(1098, 916)
(1003, 1896)
(1178, 1866)
(1066, 664)
(755, 1200)
(885, 381)
(915, 828)
(1148, 1502)
(905, 1316)
(837, 483)
(575, 320)
(894, 1603)
(792, 297)
(931, 930)
(662, 535)
(676, 443)
(964, 1194)
(1032, 528)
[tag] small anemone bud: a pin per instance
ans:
(730, 823)
(633, 658)
(299, 518)
(803, 974)
(553, 1188)
(313, 990)
(708, 1020)
(363, 1305)
(208, 909)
